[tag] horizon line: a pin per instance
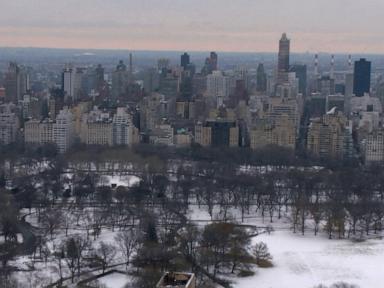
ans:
(190, 51)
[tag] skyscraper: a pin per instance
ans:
(214, 60)
(218, 87)
(301, 74)
(210, 64)
(63, 130)
(184, 60)
(16, 82)
(99, 71)
(362, 77)
(261, 79)
(68, 82)
(120, 79)
(283, 61)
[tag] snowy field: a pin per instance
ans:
(115, 280)
(299, 261)
(306, 261)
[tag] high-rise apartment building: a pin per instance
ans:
(374, 147)
(97, 128)
(280, 132)
(124, 132)
(9, 125)
(68, 82)
(218, 87)
(63, 130)
(38, 132)
(16, 83)
(326, 135)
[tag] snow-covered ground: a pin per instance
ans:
(306, 261)
(124, 180)
(299, 261)
(115, 280)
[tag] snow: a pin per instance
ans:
(114, 280)
(306, 261)
(123, 180)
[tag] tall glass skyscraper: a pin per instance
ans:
(184, 60)
(362, 77)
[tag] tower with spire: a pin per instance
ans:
(130, 68)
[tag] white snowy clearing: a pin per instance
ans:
(125, 180)
(306, 261)
(114, 280)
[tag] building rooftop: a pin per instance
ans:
(177, 280)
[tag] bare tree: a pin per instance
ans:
(105, 253)
(75, 248)
(128, 242)
(51, 220)
(262, 255)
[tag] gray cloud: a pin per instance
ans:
(254, 24)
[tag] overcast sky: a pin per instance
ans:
(353, 26)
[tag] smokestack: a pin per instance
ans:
(332, 74)
(316, 65)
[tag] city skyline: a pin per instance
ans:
(195, 25)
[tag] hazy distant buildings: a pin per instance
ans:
(162, 63)
(169, 84)
(151, 80)
(210, 64)
(326, 85)
(362, 77)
